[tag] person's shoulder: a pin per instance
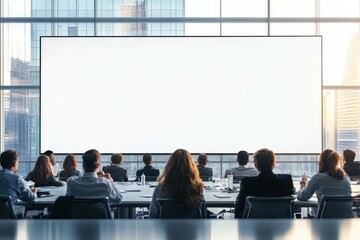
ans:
(139, 172)
(249, 180)
(284, 175)
(73, 179)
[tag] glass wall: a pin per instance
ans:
(22, 22)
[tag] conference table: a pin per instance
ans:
(177, 229)
(135, 195)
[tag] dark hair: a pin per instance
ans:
(8, 159)
(323, 164)
(242, 157)
(202, 159)
(117, 158)
(147, 159)
(181, 179)
(349, 155)
(265, 159)
(334, 166)
(91, 160)
(48, 153)
(69, 165)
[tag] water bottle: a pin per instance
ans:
(143, 179)
(230, 180)
(304, 177)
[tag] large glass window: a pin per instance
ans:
(337, 21)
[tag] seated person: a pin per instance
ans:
(241, 170)
(55, 167)
(148, 170)
(42, 175)
(93, 184)
(70, 168)
(330, 180)
(266, 184)
(351, 167)
(13, 185)
(206, 173)
(117, 173)
(180, 180)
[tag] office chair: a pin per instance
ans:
(268, 207)
(151, 178)
(6, 210)
(337, 206)
(172, 208)
(69, 207)
(206, 178)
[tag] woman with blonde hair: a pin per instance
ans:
(330, 180)
(70, 168)
(180, 181)
(41, 175)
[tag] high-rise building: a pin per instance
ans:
(348, 101)
(18, 129)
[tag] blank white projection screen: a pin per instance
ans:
(204, 94)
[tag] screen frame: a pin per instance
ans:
(193, 153)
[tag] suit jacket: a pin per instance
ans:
(266, 184)
(352, 168)
(149, 171)
(117, 173)
(206, 173)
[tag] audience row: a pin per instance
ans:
(181, 179)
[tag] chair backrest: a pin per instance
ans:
(268, 207)
(151, 178)
(6, 210)
(206, 178)
(336, 206)
(68, 207)
(172, 208)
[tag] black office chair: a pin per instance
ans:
(68, 207)
(206, 178)
(6, 210)
(337, 206)
(268, 207)
(172, 208)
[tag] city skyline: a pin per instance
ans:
(20, 41)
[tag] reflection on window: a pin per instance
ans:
(20, 53)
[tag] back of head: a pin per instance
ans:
(181, 179)
(242, 158)
(334, 165)
(116, 158)
(147, 159)
(323, 164)
(202, 159)
(349, 155)
(70, 163)
(8, 159)
(42, 169)
(91, 160)
(264, 160)
(50, 154)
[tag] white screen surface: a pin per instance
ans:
(204, 94)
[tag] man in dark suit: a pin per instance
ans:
(117, 173)
(351, 167)
(206, 173)
(150, 173)
(266, 183)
